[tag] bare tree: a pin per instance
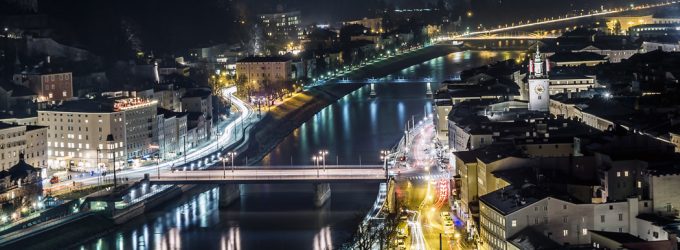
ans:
(377, 232)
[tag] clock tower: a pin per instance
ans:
(539, 86)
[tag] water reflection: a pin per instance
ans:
(283, 216)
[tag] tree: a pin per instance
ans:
(376, 233)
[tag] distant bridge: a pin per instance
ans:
(301, 174)
(552, 20)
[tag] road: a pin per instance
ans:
(206, 152)
(309, 173)
(425, 188)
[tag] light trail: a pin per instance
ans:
(544, 22)
(206, 150)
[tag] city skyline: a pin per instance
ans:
(297, 124)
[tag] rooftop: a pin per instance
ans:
(576, 57)
(514, 197)
(528, 238)
(84, 106)
(658, 219)
(618, 237)
(262, 59)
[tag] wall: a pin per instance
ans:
(665, 191)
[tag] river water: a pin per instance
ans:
(353, 130)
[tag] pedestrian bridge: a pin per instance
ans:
(300, 174)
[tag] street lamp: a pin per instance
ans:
(316, 164)
(384, 154)
(158, 159)
(323, 154)
(232, 154)
(111, 144)
(224, 167)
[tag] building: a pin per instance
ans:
(77, 135)
(622, 23)
(574, 59)
(654, 30)
(199, 101)
(140, 125)
(539, 84)
(16, 98)
(570, 83)
(172, 133)
(24, 140)
(19, 175)
(35, 153)
(169, 96)
(505, 212)
(668, 46)
(51, 84)
(373, 24)
(613, 51)
(258, 72)
(282, 26)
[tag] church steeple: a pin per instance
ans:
(537, 69)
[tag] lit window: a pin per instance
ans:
(584, 231)
(565, 232)
(625, 173)
(618, 174)
(514, 223)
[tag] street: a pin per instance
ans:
(424, 190)
(203, 155)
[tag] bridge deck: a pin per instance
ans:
(245, 176)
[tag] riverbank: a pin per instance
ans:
(283, 119)
(90, 225)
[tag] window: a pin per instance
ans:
(514, 223)
(601, 218)
(584, 231)
(618, 174)
(625, 173)
(565, 219)
(565, 232)
(620, 217)
(564, 206)
(64, 93)
(611, 207)
(639, 185)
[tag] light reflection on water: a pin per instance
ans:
(283, 216)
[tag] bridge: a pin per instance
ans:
(551, 20)
(230, 179)
(301, 174)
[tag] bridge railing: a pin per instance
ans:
(305, 174)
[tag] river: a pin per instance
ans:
(353, 130)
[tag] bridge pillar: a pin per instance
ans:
(322, 193)
(229, 193)
(429, 89)
(373, 94)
